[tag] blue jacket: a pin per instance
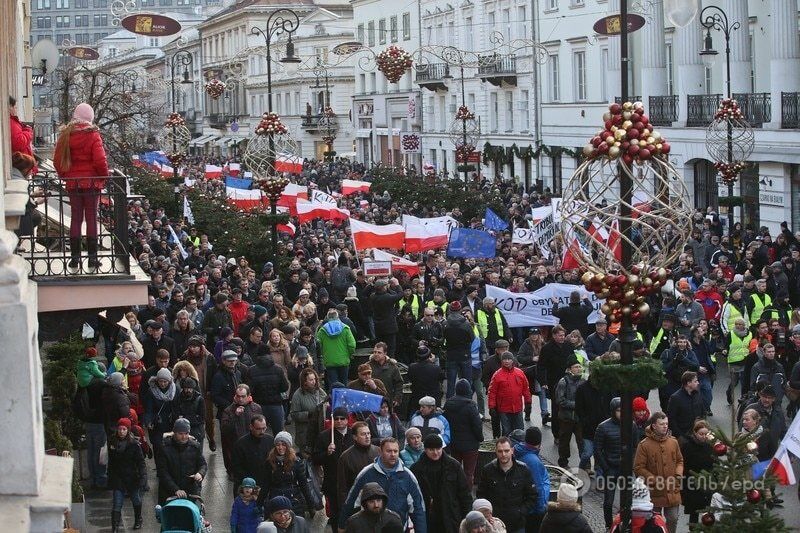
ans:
(401, 487)
(541, 479)
(435, 423)
(245, 518)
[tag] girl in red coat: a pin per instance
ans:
(80, 160)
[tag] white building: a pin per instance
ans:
(667, 73)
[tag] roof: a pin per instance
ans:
(242, 4)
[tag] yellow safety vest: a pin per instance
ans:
(739, 348)
(443, 306)
(758, 307)
(415, 303)
(776, 314)
(483, 323)
(655, 342)
(734, 314)
(195, 242)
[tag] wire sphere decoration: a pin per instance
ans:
(174, 141)
(730, 140)
(467, 129)
(264, 150)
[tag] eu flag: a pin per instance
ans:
(471, 243)
(493, 222)
(238, 183)
(355, 401)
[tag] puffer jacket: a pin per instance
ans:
(86, 370)
(337, 343)
(192, 409)
(508, 385)
(267, 381)
(541, 479)
(608, 442)
(565, 396)
(434, 423)
(466, 429)
(126, 468)
(565, 517)
(660, 462)
(88, 164)
(176, 464)
(458, 336)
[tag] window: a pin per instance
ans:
(439, 34)
(489, 28)
(98, 36)
(493, 111)
(604, 73)
(429, 34)
(165, 2)
(153, 42)
(183, 2)
(577, 3)
(509, 111)
(554, 86)
(43, 4)
(150, 3)
(468, 33)
(42, 22)
(62, 4)
(579, 65)
(522, 27)
(442, 114)
(670, 75)
(321, 54)
(382, 31)
(555, 162)
(360, 33)
(100, 3)
(552, 5)
(524, 113)
(751, 55)
(362, 83)
(371, 33)
(81, 21)
(708, 79)
(406, 26)
(507, 24)
(393, 29)
(451, 33)
(471, 102)
(101, 20)
(61, 23)
(82, 4)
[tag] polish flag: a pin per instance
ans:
(167, 171)
(233, 169)
(287, 228)
(781, 467)
(213, 171)
(308, 211)
(138, 162)
(353, 186)
(291, 194)
(288, 163)
(246, 199)
(420, 238)
(575, 249)
(398, 263)
(372, 236)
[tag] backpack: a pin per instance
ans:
(340, 280)
(82, 406)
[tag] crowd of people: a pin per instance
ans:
(245, 356)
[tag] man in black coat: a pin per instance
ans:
(458, 337)
(508, 485)
(267, 382)
(155, 340)
(575, 314)
(551, 368)
(591, 408)
(249, 455)
(466, 429)
(225, 381)
(444, 487)
(685, 405)
(374, 515)
(326, 454)
(425, 378)
(384, 312)
(189, 404)
(181, 466)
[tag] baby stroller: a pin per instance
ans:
(183, 515)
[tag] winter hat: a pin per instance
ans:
(427, 400)
(533, 436)
(189, 383)
(181, 425)
(259, 310)
(301, 352)
(248, 483)
(284, 437)
(423, 352)
(164, 373)
(639, 404)
(506, 355)
(463, 388)
(455, 306)
(433, 442)
(641, 496)
(116, 379)
(340, 412)
(567, 493)
(571, 360)
(481, 503)
(475, 519)
(229, 354)
(322, 293)
(84, 112)
(278, 503)
(91, 352)
(124, 422)
(351, 292)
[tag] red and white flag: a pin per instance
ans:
(353, 186)
(213, 171)
(246, 199)
(367, 235)
(781, 467)
(290, 196)
(167, 171)
(398, 263)
(233, 169)
(288, 163)
(420, 238)
(308, 211)
(287, 228)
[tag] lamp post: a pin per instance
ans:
(280, 21)
(465, 138)
(713, 17)
(180, 59)
(327, 120)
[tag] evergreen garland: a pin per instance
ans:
(503, 155)
(610, 375)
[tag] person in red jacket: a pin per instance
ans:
(21, 134)
(508, 385)
(711, 300)
(80, 161)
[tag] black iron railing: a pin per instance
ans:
(701, 109)
(313, 122)
(48, 246)
(502, 64)
(433, 72)
(790, 111)
(663, 110)
(217, 120)
(756, 107)
(618, 99)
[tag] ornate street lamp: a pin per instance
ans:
(174, 137)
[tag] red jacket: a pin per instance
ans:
(506, 389)
(88, 160)
(238, 314)
(711, 302)
(21, 139)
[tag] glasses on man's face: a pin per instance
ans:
(340, 418)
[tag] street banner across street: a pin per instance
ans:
(523, 309)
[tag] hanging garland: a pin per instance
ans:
(503, 155)
(608, 374)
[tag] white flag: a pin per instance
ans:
(187, 210)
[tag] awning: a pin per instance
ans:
(364, 132)
(202, 140)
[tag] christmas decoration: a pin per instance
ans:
(263, 150)
(393, 62)
(270, 124)
(463, 151)
(729, 141)
(174, 139)
(175, 119)
(720, 449)
(753, 496)
(728, 109)
(708, 519)
(464, 113)
(273, 187)
(215, 88)
(627, 134)
(607, 373)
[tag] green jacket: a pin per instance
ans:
(337, 343)
(86, 370)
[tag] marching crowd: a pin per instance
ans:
(240, 359)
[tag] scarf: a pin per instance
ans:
(162, 395)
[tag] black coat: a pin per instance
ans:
(458, 336)
(445, 492)
(223, 388)
(565, 518)
(192, 409)
(328, 463)
(150, 347)
(574, 316)
(607, 443)
(592, 407)
(466, 429)
(683, 409)
(490, 366)
(292, 484)
(267, 381)
(126, 468)
(511, 493)
(116, 405)
(425, 379)
(249, 459)
(175, 464)
(384, 311)
(697, 456)
(553, 363)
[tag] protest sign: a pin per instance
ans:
(524, 309)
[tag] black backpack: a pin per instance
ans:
(82, 406)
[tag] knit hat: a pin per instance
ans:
(84, 112)
(481, 503)
(340, 412)
(571, 360)
(427, 400)
(533, 436)
(423, 352)
(463, 388)
(322, 293)
(433, 442)
(90, 352)
(124, 422)
(455, 306)
(301, 352)
(164, 373)
(506, 355)
(278, 503)
(195, 340)
(181, 425)
(116, 379)
(641, 496)
(284, 437)
(475, 519)
(639, 404)
(567, 493)
(259, 311)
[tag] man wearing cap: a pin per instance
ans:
(425, 378)
(528, 453)
(205, 365)
(769, 370)
(733, 308)
(508, 485)
(216, 318)
(181, 466)
(492, 324)
(600, 341)
(383, 302)
(283, 519)
(710, 299)
(326, 453)
(688, 312)
(773, 419)
(444, 486)
(507, 390)
(374, 515)
(458, 337)
(225, 381)
(155, 340)
(430, 420)
(569, 424)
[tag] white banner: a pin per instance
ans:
(545, 231)
(322, 197)
(448, 221)
(523, 309)
(523, 236)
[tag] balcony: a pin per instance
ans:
(619, 100)
(790, 111)
(663, 110)
(217, 121)
(432, 76)
(756, 107)
(316, 124)
(701, 109)
(498, 69)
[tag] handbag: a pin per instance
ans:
(103, 457)
(791, 393)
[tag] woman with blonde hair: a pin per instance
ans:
(80, 161)
(278, 348)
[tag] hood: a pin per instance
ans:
(265, 361)
(333, 327)
(187, 367)
(521, 450)
(373, 490)
(649, 433)
(456, 319)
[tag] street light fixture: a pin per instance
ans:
(708, 54)
(183, 59)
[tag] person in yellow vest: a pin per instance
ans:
(734, 308)
(438, 301)
(492, 324)
(780, 310)
(758, 301)
(663, 338)
(737, 347)
(413, 301)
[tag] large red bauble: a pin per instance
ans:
(615, 108)
(609, 279)
(608, 123)
(627, 158)
(665, 148)
(633, 149)
(603, 147)
(644, 153)
(645, 120)
(708, 519)
(639, 125)
(596, 140)
(753, 496)
(633, 133)
(720, 449)
(622, 279)
(625, 145)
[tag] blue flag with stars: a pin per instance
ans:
(492, 222)
(355, 401)
(471, 243)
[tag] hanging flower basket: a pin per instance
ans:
(271, 125)
(215, 88)
(394, 62)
